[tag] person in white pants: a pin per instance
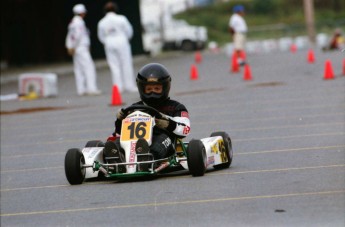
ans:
(115, 31)
(238, 28)
(78, 46)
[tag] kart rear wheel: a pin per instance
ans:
(94, 143)
(196, 158)
(228, 149)
(74, 161)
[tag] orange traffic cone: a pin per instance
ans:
(311, 57)
(328, 71)
(116, 97)
(193, 72)
(247, 75)
(344, 67)
(197, 57)
(234, 63)
(293, 48)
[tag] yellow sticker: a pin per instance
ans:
(214, 148)
(135, 128)
(223, 156)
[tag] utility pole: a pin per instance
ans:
(161, 20)
(309, 19)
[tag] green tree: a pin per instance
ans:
(264, 6)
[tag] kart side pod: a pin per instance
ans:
(215, 150)
(92, 154)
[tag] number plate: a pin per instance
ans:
(136, 127)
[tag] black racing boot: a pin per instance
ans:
(113, 154)
(143, 154)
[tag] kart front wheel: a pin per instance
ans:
(196, 158)
(74, 170)
(228, 149)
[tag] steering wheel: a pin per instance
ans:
(147, 109)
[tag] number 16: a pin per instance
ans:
(139, 130)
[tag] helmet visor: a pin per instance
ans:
(153, 88)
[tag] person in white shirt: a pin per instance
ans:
(78, 46)
(115, 31)
(238, 29)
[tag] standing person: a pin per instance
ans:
(78, 46)
(337, 42)
(115, 31)
(238, 29)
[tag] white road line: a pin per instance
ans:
(188, 202)
(257, 152)
(294, 150)
(214, 173)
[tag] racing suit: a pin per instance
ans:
(78, 40)
(163, 141)
(115, 31)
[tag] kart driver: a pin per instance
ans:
(153, 82)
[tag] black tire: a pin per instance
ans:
(187, 45)
(228, 149)
(202, 46)
(94, 143)
(74, 171)
(196, 158)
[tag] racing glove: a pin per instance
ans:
(165, 123)
(120, 115)
(70, 51)
(118, 123)
(162, 123)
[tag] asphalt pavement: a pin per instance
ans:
(287, 127)
(11, 74)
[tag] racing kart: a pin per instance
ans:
(197, 155)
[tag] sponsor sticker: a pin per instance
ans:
(93, 153)
(223, 156)
(137, 119)
(132, 153)
(186, 130)
(210, 160)
(214, 148)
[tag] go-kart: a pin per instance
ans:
(196, 155)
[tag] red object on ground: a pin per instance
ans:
(116, 99)
(311, 56)
(243, 55)
(329, 75)
(234, 63)
(198, 57)
(293, 48)
(194, 72)
(247, 75)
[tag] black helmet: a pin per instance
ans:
(153, 73)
